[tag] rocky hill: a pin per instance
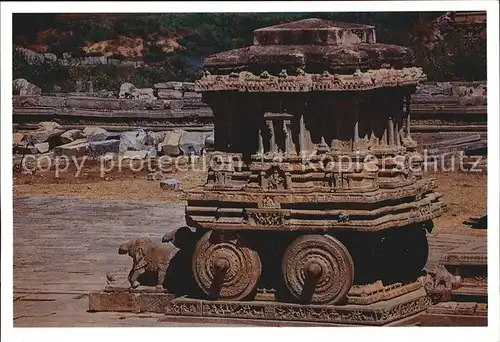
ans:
(175, 44)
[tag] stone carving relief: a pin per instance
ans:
(267, 218)
(274, 179)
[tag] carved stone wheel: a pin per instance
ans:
(225, 268)
(317, 269)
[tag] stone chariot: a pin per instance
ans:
(315, 206)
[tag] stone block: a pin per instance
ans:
(154, 138)
(117, 302)
(49, 126)
(132, 104)
(170, 144)
(95, 133)
(210, 140)
(171, 184)
(192, 143)
(129, 302)
(100, 148)
(52, 101)
(42, 147)
(93, 103)
(188, 86)
(71, 135)
(26, 149)
(25, 101)
(169, 85)
(169, 94)
(77, 148)
(173, 104)
(133, 140)
(192, 95)
(40, 136)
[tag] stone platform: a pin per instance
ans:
(390, 312)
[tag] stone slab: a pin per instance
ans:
(129, 302)
(455, 314)
(169, 94)
(376, 314)
(93, 103)
(170, 146)
(100, 148)
(77, 148)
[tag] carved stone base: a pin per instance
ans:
(123, 299)
(376, 292)
(455, 314)
(377, 314)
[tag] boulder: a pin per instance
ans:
(101, 148)
(95, 133)
(133, 140)
(192, 143)
(21, 86)
(129, 91)
(126, 91)
(71, 135)
(171, 184)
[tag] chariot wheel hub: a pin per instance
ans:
(317, 269)
(225, 269)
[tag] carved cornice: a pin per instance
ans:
(359, 81)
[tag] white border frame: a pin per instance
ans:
(491, 333)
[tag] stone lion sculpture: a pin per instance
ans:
(148, 256)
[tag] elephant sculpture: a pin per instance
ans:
(148, 256)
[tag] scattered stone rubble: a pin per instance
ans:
(97, 142)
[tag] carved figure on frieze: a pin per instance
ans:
(283, 73)
(300, 72)
(275, 179)
(268, 218)
(343, 217)
(148, 256)
(269, 202)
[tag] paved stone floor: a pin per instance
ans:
(63, 248)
